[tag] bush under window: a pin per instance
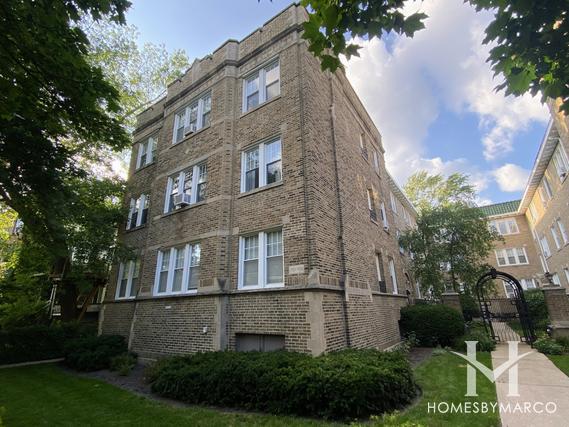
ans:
(94, 353)
(345, 384)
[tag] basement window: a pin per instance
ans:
(259, 342)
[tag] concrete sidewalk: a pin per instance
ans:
(540, 381)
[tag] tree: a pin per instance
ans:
(530, 38)
(452, 239)
(428, 191)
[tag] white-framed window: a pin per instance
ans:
(261, 86)
(363, 145)
(528, 284)
(178, 270)
(261, 262)
(186, 188)
(192, 117)
(560, 162)
(371, 204)
(383, 215)
(547, 188)
(376, 161)
(511, 256)
(555, 279)
(508, 289)
(127, 282)
(138, 211)
(545, 246)
(146, 152)
(398, 236)
(555, 237)
(505, 226)
(261, 165)
(378, 266)
(393, 275)
(566, 271)
(393, 202)
(563, 231)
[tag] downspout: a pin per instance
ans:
(340, 222)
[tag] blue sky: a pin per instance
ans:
(431, 97)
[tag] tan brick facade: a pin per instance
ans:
(331, 297)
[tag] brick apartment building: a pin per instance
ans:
(536, 228)
(261, 212)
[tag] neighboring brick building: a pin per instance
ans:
(516, 254)
(542, 216)
(260, 210)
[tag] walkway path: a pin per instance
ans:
(539, 380)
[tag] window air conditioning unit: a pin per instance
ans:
(182, 199)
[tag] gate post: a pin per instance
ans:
(557, 303)
(452, 299)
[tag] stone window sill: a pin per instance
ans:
(188, 137)
(260, 106)
(184, 209)
(258, 190)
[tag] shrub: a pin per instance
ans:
(537, 309)
(345, 384)
(470, 306)
(94, 353)
(123, 363)
(547, 345)
(432, 324)
(485, 343)
(40, 342)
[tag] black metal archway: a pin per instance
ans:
(500, 315)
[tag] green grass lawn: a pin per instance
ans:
(562, 362)
(47, 395)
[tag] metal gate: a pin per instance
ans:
(505, 319)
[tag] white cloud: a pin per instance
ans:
(443, 67)
(511, 177)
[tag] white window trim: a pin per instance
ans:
(146, 147)
(181, 182)
(262, 164)
(559, 155)
(546, 253)
(385, 221)
(188, 249)
(496, 224)
(555, 237)
(556, 279)
(563, 231)
(130, 275)
(262, 262)
(142, 198)
(505, 256)
(378, 267)
(508, 295)
(262, 84)
(393, 202)
(393, 274)
(566, 271)
(186, 115)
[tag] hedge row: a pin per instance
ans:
(39, 342)
(345, 384)
(94, 353)
(432, 324)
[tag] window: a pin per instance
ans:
(547, 188)
(146, 152)
(560, 162)
(393, 275)
(545, 246)
(527, 284)
(178, 270)
(511, 256)
(138, 213)
(127, 283)
(261, 86)
(261, 260)
(398, 236)
(376, 161)
(371, 205)
(555, 279)
(261, 165)
(393, 202)
(555, 237)
(508, 289)
(505, 226)
(563, 231)
(384, 216)
(186, 188)
(363, 145)
(566, 271)
(258, 342)
(192, 118)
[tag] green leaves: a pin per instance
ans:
(413, 24)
